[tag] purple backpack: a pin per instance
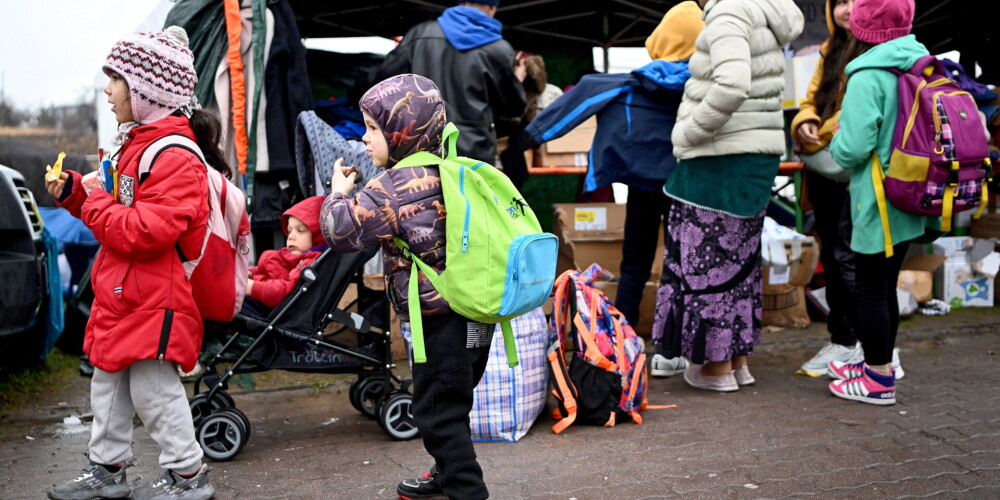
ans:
(940, 160)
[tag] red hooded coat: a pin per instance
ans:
(143, 308)
(277, 271)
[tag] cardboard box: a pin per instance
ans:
(593, 232)
(957, 282)
(577, 140)
(647, 308)
(800, 258)
(960, 286)
(987, 225)
(571, 149)
(785, 306)
(917, 276)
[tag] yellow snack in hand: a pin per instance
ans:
(52, 173)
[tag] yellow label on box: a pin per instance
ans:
(585, 216)
(590, 219)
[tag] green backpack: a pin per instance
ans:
(500, 264)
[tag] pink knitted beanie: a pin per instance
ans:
(159, 69)
(877, 21)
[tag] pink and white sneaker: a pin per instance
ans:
(844, 370)
(871, 387)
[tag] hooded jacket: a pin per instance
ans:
(476, 77)
(867, 124)
(634, 111)
(807, 108)
(277, 271)
(731, 106)
(143, 307)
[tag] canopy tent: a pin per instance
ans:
(544, 25)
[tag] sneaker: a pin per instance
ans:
(94, 482)
(665, 367)
(897, 367)
(425, 487)
(842, 370)
(173, 485)
(817, 366)
(871, 387)
(721, 383)
(743, 376)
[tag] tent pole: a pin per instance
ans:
(605, 31)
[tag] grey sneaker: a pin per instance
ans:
(173, 486)
(816, 367)
(94, 482)
(663, 367)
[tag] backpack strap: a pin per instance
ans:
(157, 147)
(565, 391)
(878, 177)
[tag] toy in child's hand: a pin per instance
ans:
(52, 173)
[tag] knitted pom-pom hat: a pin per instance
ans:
(159, 69)
(878, 21)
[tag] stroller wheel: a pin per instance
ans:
(242, 418)
(222, 435)
(201, 408)
(396, 416)
(365, 394)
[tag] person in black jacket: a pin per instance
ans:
(464, 54)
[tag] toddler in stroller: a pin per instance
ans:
(307, 332)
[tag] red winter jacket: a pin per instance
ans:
(143, 307)
(277, 272)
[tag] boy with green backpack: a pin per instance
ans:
(499, 264)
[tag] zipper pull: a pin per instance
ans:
(465, 242)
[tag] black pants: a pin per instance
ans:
(442, 399)
(645, 212)
(878, 308)
(832, 209)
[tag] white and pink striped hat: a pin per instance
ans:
(159, 69)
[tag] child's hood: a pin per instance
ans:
(664, 75)
(900, 54)
(306, 211)
(411, 113)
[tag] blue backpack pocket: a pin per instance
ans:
(531, 270)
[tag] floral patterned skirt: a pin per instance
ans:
(708, 306)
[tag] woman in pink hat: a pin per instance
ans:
(867, 122)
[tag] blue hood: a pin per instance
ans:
(666, 75)
(467, 28)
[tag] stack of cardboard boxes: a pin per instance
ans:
(593, 233)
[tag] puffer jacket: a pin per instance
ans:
(399, 202)
(143, 307)
(733, 106)
(477, 84)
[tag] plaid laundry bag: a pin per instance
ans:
(508, 400)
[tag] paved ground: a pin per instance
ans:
(785, 437)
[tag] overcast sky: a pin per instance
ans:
(51, 51)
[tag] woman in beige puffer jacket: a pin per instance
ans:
(728, 138)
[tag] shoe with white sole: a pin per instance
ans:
(817, 366)
(662, 366)
(720, 383)
(857, 359)
(871, 388)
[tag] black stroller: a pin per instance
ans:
(308, 333)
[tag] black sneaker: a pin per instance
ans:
(174, 486)
(425, 487)
(94, 482)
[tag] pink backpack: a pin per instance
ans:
(940, 159)
(225, 250)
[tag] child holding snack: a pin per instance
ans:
(404, 114)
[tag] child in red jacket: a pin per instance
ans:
(277, 271)
(144, 322)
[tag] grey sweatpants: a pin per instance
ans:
(153, 390)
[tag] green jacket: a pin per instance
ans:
(867, 123)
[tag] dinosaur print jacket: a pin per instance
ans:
(403, 202)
